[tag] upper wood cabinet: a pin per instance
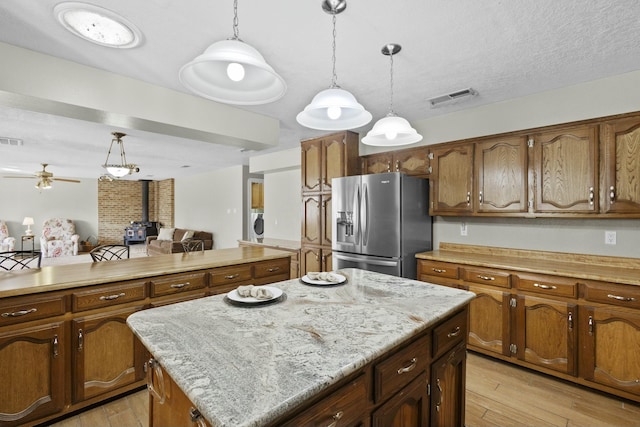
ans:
(452, 167)
(412, 161)
(328, 157)
(621, 164)
(566, 167)
(501, 175)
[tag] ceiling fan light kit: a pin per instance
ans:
(233, 72)
(124, 168)
(334, 108)
(391, 130)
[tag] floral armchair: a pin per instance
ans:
(58, 238)
(6, 243)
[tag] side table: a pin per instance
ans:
(27, 239)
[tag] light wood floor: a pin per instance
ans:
(498, 394)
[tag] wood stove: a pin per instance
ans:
(138, 231)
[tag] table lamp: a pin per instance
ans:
(28, 221)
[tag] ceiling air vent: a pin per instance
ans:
(10, 141)
(452, 96)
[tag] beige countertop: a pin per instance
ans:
(53, 278)
(293, 245)
(581, 266)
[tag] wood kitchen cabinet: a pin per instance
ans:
(409, 407)
(106, 355)
(452, 183)
(501, 171)
(410, 161)
(584, 331)
(323, 159)
(328, 157)
(566, 168)
(33, 360)
(447, 388)
(621, 171)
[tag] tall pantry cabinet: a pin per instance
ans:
(324, 158)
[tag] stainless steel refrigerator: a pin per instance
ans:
(380, 222)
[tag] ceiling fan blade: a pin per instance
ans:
(14, 176)
(65, 179)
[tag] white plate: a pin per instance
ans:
(306, 279)
(233, 296)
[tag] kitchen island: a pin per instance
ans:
(364, 350)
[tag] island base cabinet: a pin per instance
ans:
(448, 384)
(168, 405)
(32, 363)
(106, 354)
(610, 342)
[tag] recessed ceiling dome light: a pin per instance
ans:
(98, 25)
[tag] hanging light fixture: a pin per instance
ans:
(124, 168)
(391, 130)
(233, 72)
(334, 108)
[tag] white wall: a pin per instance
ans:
(212, 202)
(78, 202)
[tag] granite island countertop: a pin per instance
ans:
(247, 366)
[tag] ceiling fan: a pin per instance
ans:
(45, 178)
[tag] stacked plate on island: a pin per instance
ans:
(323, 278)
(255, 295)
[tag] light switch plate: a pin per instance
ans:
(463, 229)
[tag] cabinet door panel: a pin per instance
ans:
(334, 160)
(409, 407)
(311, 259)
(311, 220)
(501, 175)
(311, 165)
(378, 163)
(489, 324)
(32, 363)
(566, 170)
(610, 342)
(326, 221)
(622, 167)
(106, 354)
(452, 181)
(411, 162)
(448, 388)
(546, 333)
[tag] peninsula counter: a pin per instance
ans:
(352, 352)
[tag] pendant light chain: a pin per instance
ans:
(236, 31)
(334, 79)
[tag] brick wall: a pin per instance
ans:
(120, 202)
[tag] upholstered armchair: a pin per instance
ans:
(58, 238)
(6, 243)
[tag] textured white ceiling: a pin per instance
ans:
(502, 48)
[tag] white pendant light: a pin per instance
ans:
(233, 72)
(118, 170)
(334, 108)
(391, 130)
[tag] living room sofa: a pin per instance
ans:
(169, 240)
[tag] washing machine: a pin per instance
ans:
(257, 225)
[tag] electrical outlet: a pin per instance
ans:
(609, 237)
(463, 229)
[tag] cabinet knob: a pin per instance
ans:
(468, 198)
(612, 194)
(591, 196)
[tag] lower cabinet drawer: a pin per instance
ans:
(451, 332)
(345, 407)
(271, 268)
(168, 285)
(107, 296)
(225, 275)
(32, 307)
(399, 369)
(547, 285)
(438, 269)
(486, 276)
(611, 293)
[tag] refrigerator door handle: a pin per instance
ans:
(364, 207)
(356, 214)
(369, 261)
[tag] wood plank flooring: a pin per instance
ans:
(498, 394)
